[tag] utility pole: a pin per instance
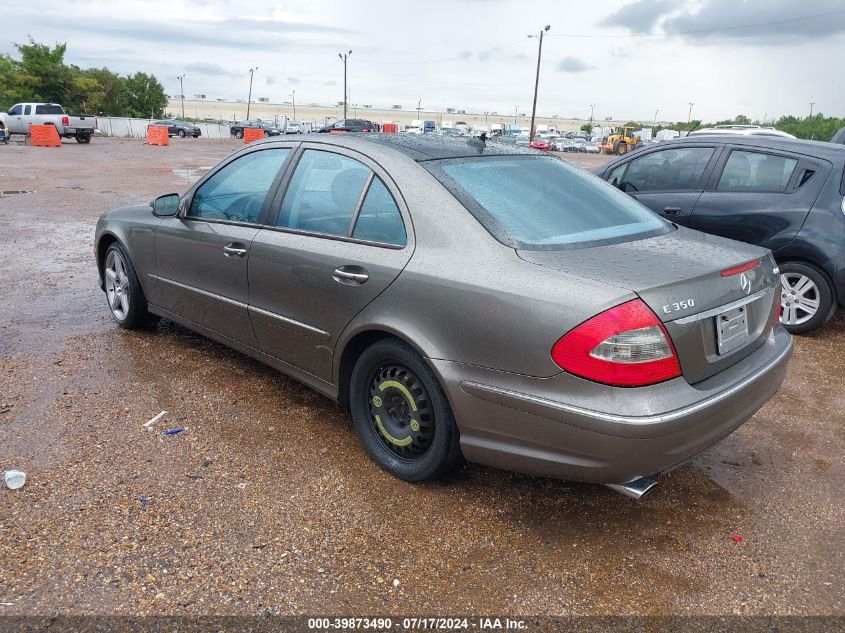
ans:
(537, 79)
(249, 98)
(293, 99)
(344, 57)
(515, 113)
(654, 124)
(182, 93)
(812, 103)
(592, 109)
(689, 116)
(419, 108)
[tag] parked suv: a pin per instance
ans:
(237, 129)
(349, 125)
(784, 194)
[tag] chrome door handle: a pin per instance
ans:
(672, 210)
(234, 250)
(348, 277)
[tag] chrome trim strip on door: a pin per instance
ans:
(292, 323)
(204, 293)
(728, 306)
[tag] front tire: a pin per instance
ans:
(239, 134)
(181, 133)
(807, 298)
(401, 413)
(124, 295)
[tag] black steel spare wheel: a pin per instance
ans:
(400, 411)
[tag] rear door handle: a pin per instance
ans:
(672, 210)
(235, 249)
(350, 275)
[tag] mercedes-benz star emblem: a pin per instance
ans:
(745, 283)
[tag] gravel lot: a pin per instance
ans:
(267, 502)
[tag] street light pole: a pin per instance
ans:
(293, 98)
(419, 108)
(812, 103)
(344, 56)
(515, 113)
(249, 98)
(537, 79)
(592, 109)
(654, 123)
(182, 93)
(689, 116)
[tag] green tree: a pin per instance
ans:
(42, 70)
(112, 89)
(145, 95)
(586, 128)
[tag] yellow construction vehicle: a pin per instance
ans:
(621, 141)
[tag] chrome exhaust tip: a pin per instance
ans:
(636, 489)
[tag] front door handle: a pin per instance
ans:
(672, 210)
(350, 275)
(235, 249)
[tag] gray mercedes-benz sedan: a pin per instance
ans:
(463, 299)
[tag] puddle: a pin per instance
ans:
(13, 192)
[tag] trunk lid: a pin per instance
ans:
(679, 276)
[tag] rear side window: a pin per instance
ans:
(756, 171)
(49, 109)
(379, 219)
(678, 169)
(27, 109)
(542, 203)
(236, 192)
(323, 193)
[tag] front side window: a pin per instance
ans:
(16, 110)
(323, 193)
(756, 171)
(678, 169)
(379, 219)
(542, 203)
(236, 192)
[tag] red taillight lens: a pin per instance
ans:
(65, 121)
(626, 346)
(743, 268)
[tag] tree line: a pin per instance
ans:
(42, 75)
(817, 127)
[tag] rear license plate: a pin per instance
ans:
(732, 329)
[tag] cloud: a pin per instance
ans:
(572, 65)
(293, 80)
(641, 16)
(213, 70)
(780, 21)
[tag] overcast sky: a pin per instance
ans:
(627, 58)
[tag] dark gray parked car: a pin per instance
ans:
(463, 299)
(783, 194)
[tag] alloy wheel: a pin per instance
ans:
(117, 285)
(401, 411)
(800, 298)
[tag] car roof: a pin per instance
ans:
(821, 149)
(422, 147)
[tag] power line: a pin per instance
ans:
(698, 31)
(466, 55)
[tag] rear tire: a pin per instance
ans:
(124, 295)
(239, 134)
(84, 139)
(401, 413)
(807, 298)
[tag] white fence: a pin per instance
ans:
(126, 127)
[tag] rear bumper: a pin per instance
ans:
(604, 434)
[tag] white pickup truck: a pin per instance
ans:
(22, 115)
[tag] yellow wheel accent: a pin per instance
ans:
(400, 387)
(393, 440)
(377, 402)
(415, 426)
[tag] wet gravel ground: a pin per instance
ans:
(266, 502)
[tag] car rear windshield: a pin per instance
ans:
(542, 203)
(49, 109)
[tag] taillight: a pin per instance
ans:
(626, 346)
(742, 268)
(65, 121)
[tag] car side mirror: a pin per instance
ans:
(166, 206)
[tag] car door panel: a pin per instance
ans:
(753, 214)
(199, 280)
(299, 305)
(203, 254)
(312, 273)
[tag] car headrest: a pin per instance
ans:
(346, 188)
